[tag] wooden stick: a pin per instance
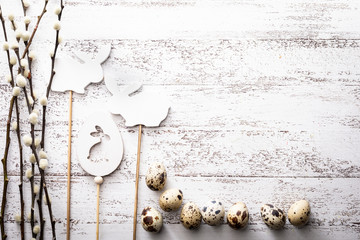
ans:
(69, 169)
(97, 211)
(137, 181)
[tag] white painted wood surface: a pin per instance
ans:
(265, 109)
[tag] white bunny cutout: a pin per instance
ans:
(144, 108)
(102, 121)
(74, 75)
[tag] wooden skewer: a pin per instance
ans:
(97, 211)
(137, 181)
(69, 169)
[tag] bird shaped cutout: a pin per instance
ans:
(135, 106)
(100, 146)
(75, 74)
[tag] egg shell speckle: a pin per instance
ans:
(171, 200)
(213, 213)
(156, 176)
(190, 216)
(299, 213)
(238, 215)
(151, 219)
(272, 216)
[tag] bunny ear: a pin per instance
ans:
(103, 54)
(85, 57)
(132, 88)
(111, 85)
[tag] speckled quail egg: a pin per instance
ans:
(272, 216)
(156, 176)
(151, 219)
(299, 213)
(171, 200)
(238, 215)
(213, 213)
(190, 216)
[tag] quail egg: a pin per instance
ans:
(151, 219)
(299, 213)
(155, 177)
(190, 216)
(238, 215)
(171, 200)
(272, 216)
(213, 213)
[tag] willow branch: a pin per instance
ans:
(35, 29)
(4, 163)
(32, 179)
(22, 204)
(52, 74)
(42, 174)
(33, 196)
(8, 140)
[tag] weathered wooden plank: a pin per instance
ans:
(178, 232)
(237, 152)
(204, 19)
(302, 107)
(222, 62)
(278, 131)
(330, 211)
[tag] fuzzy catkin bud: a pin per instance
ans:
(17, 218)
(13, 60)
(32, 55)
(11, 17)
(27, 140)
(57, 25)
(27, 20)
(18, 34)
(43, 155)
(36, 189)
(8, 78)
(43, 101)
(25, 36)
(14, 125)
(23, 63)
(45, 200)
(29, 173)
(43, 164)
(32, 158)
(26, 3)
(27, 72)
(31, 100)
(14, 45)
(37, 142)
(36, 97)
(33, 118)
(36, 229)
(36, 111)
(6, 46)
(16, 91)
(20, 81)
(57, 11)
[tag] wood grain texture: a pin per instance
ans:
(265, 109)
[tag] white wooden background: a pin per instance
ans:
(265, 109)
